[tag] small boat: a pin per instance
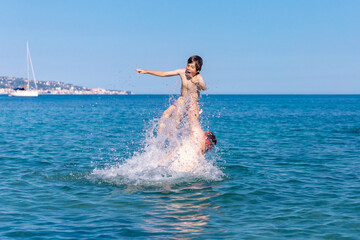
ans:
(25, 91)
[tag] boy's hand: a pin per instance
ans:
(140, 71)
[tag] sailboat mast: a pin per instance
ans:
(32, 68)
(27, 63)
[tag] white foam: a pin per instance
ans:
(164, 159)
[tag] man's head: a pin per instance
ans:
(194, 65)
(210, 140)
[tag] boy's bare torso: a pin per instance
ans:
(189, 87)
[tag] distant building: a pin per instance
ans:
(7, 84)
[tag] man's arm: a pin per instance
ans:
(196, 131)
(160, 73)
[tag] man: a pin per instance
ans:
(188, 155)
(204, 140)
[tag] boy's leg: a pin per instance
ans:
(177, 108)
(167, 114)
(194, 112)
(180, 110)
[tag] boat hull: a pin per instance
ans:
(24, 94)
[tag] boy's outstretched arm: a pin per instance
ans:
(160, 73)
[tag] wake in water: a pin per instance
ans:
(168, 158)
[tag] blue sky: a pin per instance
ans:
(248, 47)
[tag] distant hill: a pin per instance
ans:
(52, 87)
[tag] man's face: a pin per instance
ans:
(190, 70)
(208, 144)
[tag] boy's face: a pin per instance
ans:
(191, 69)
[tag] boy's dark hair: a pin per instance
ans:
(197, 60)
(212, 138)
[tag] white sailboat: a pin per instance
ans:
(25, 91)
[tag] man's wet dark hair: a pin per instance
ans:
(211, 137)
(197, 60)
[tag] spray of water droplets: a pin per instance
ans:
(167, 158)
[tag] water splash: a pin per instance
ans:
(167, 158)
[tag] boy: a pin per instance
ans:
(191, 84)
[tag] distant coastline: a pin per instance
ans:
(7, 84)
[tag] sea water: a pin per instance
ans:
(91, 167)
